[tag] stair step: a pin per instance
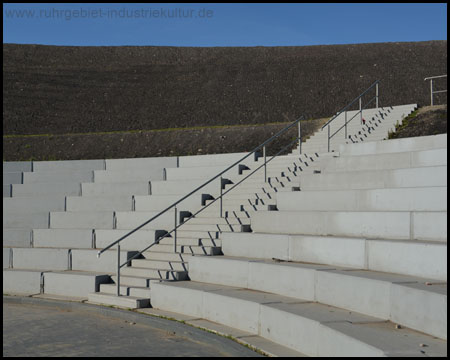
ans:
(166, 256)
(215, 227)
(135, 281)
(126, 290)
(244, 196)
(261, 189)
(154, 273)
(219, 220)
(197, 234)
(130, 302)
(227, 214)
(190, 241)
(189, 249)
(160, 264)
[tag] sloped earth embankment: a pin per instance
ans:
(168, 142)
(428, 120)
(71, 89)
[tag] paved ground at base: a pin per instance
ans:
(49, 328)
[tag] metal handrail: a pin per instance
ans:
(352, 102)
(206, 206)
(254, 151)
(347, 121)
(345, 108)
(431, 86)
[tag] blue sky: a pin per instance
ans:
(222, 24)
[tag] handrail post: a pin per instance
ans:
(175, 233)
(299, 139)
(431, 91)
(328, 138)
(360, 111)
(346, 125)
(376, 89)
(118, 270)
(220, 185)
(265, 166)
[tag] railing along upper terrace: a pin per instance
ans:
(431, 78)
(181, 221)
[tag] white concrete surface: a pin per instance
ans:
(398, 160)
(41, 259)
(57, 176)
(132, 219)
(12, 177)
(7, 190)
(81, 283)
(26, 220)
(21, 282)
(17, 237)
(63, 238)
(99, 203)
(48, 188)
(87, 260)
(68, 165)
(12, 166)
(82, 220)
(415, 258)
(395, 145)
(34, 203)
(290, 322)
(213, 159)
(140, 163)
(161, 202)
(136, 241)
(397, 199)
(114, 176)
(353, 180)
(115, 189)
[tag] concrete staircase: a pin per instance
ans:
(378, 123)
(285, 255)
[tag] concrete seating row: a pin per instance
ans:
(13, 174)
(332, 251)
(74, 227)
(42, 190)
